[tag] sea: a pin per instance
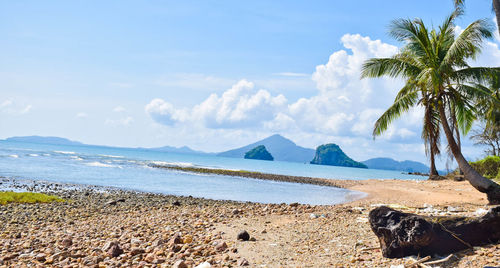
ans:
(129, 169)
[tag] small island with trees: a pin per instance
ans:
(331, 154)
(260, 153)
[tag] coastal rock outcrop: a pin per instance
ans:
(260, 153)
(332, 155)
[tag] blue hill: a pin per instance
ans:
(281, 148)
(391, 164)
(44, 140)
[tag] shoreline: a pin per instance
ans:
(145, 226)
(260, 175)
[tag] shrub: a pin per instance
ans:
(27, 197)
(489, 167)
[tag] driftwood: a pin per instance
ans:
(405, 234)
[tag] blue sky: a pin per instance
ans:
(208, 74)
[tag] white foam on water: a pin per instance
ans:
(14, 156)
(34, 155)
(64, 152)
(176, 164)
(76, 157)
(112, 156)
(98, 164)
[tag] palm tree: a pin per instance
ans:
(496, 8)
(431, 133)
(434, 66)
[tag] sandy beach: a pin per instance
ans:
(108, 227)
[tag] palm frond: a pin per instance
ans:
(392, 67)
(400, 106)
(468, 43)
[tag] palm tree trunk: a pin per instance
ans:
(432, 172)
(496, 7)
(482, 184)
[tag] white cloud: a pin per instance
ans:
(343, 105)
(292, 74)
(26, 109)
(126, 121)
(119, 109)
(13, 108)
(5, 103)
(342, 109)
(164, 112)
(240, 106)
(81, 115)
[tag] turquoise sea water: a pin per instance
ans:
(128, 168)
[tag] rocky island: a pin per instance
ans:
(332, 155)
(260, 153)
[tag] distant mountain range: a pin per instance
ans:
(282, 149)
(44, 140)
(391, 164)
(179, 150)
(64, 141)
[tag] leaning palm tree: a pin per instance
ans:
(434, 66)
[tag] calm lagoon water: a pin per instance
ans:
(128, 169)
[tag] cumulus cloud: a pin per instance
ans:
(343, 105)
(240, 106)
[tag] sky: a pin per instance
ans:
(212, 75)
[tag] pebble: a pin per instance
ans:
(243, 262)
(243, 235)
(84, 233)
(180, 264)
(204, 265)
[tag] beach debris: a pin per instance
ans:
(480, 212)
(439, 261)
(454, 209)
(404, 234)
(243, 262)
(416, 263)
(362, 219)
(243, 235)
(204, 265)
(313, 216)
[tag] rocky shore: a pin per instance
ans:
(260, 175)
(108, 227)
